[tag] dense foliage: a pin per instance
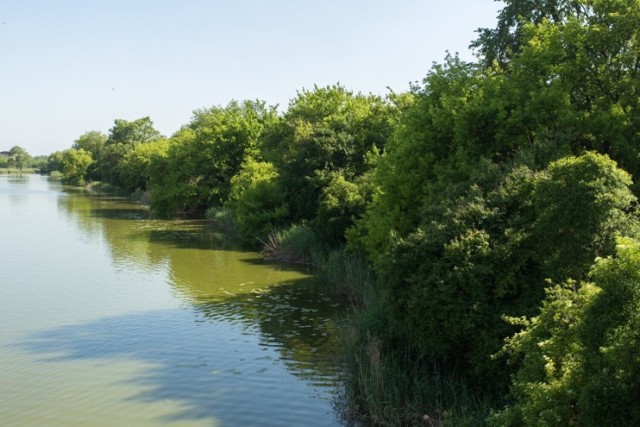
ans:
(579, 356)
(495, 203)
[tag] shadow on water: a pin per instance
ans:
(237, 360)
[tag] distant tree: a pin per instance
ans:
(91, 142)
(137, 131)
(134, 170)
(53, 163)
(123, 137)
(19, 157)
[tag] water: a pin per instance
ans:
(110, 318)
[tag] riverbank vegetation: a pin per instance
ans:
(484, 225)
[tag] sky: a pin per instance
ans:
(71, 66)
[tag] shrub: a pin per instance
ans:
(487, 254)
(580, 357)
(297, 244)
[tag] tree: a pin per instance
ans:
(206, 154)
(430, 155)
(19, 157)
(123, 137)
(573, 83)
(133, 132)
(74, 165)
(581, 203)
(505, 41)
(257, 200)
(135, 168)
(487, 254)
(92, 142)
(325, 131)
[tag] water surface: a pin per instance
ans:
(108, 317)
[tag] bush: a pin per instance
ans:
(580, 357)
(487, 255)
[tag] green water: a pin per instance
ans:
(108, 317)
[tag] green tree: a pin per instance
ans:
(573, 83)
(132, 132)
(92, 142)
(426, 158)
(206, 154)
(341, 202)
(580, 203)
(54, 163)
(135, 168)
(505, 41)
(74, 165)
(19, 157)
(257, 200)
(123, 137)
(325, 131)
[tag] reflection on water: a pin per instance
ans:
(166, 321)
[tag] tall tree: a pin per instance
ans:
(133, 132)
(505, 41)
(19, 157)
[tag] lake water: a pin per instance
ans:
(110, 318)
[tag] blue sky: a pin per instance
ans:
(71, 66)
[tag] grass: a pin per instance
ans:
(297, 244)
(222, 221)
(387, 384)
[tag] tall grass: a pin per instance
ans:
(350, 277)
(297, 244)
(386, 383)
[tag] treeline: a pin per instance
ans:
(485, 223)
(19, 159)
(308, 165)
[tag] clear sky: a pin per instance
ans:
(71, 66)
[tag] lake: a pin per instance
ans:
(109, 317)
